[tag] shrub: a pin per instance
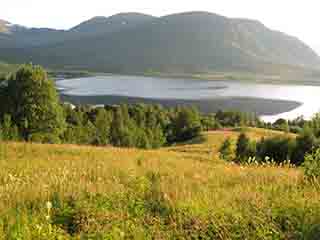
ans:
(245, 148)
(226, 151)
(278, 149)
(312, 165)
(305, 144)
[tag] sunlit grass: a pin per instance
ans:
(171, 193)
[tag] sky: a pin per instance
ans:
(295, 17)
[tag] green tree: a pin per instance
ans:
(185, 125)
(305, 143)
(102, 123)
(157, 136)
(9, 132)
(123, 131)
(209, 123)
(226, 151)
(244, 148)
(277, 148)
(33, 103)
(312, 165)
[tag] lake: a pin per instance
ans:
(270, 101)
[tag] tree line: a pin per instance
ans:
(279, 149)
(30, 110)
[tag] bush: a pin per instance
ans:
(44, 138)
(245, 148)
(305, 144)
(312, 165)
(185, 125)
(226, 151)
(278, 149)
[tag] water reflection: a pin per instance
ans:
(166, 88)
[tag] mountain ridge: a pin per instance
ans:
(195, 41)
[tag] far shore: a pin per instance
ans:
(219, 76)
(258, 106)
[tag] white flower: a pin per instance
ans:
(49, 205)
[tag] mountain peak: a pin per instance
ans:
(194, 41)
(131, 15)
(113, 23)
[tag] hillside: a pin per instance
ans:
(6, 68)
(105, 25)
(192, 42)
(73, 192)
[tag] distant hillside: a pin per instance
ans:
(115, 23)
(6, 68)
(192, 42)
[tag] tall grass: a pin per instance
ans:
(175, 193)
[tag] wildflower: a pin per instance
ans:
(49, 205)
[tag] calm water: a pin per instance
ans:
(162, 88)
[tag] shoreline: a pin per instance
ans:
(259, 106)
(254, 79)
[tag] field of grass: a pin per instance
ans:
(7, 68)
(181, 192)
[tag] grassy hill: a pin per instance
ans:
(6, 68)
(182, 192)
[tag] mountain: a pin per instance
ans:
(188, 42)
(17, 36)
(118, 22)
(22, 37)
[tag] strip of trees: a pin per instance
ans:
(279, 149)
(30, 110)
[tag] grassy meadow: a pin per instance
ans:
(180, 192)
(6, 68)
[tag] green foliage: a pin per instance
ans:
(185, 125)
(236, 119)
(305, 143)
(9, 132)
(282, 125)
(226, 151)
(102, 123)
(209, 123)
(140, 125)
(312, 165)
(122, 128)
(154, 198)
(33, 104)
(245, 149)
(277, 149)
